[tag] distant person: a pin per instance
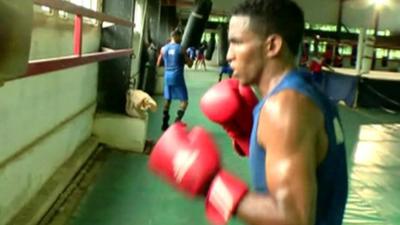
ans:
(200, 56)
(338, 60)
(174, 58)
(191, 52)
(328, 55)
(226, 69)
(305, 55)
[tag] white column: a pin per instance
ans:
(368, 54)
(360, 50)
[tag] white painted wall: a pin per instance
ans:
(33, 106)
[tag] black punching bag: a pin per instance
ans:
(353, 58)
(210, 47)
(196, 23)
(223, 44)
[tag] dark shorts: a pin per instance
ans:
(227, 70)
(200, 56)
(175, 92)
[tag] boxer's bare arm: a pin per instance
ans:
(289, 128)
(188, 61)
(160, 57)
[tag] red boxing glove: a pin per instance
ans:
(224, 196)
(189, 160)
(231, 105)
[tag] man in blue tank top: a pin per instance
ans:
(297, 154)
(174, 58)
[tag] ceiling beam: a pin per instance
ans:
(178, 3)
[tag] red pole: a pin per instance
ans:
(78, 35)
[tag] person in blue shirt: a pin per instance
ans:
(174, 58)
(225, 69)
(297, 153)
(191, 52)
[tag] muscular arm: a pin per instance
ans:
(290, 138)
(188, 61)
(160, 57)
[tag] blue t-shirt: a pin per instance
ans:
(173, 64)
(227, 69)
(191, 51)
(331, 174)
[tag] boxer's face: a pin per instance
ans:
(245, 52)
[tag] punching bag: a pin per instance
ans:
(196, 23)
(353, 57)
(210, 47)
(15, 37)
(223, 44)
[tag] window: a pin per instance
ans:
(322, 46)
(324, 27)
(394, 54)
(90, 4)
(46, 10)
(381, 53)
(62, 14)
(219, 19)
(332, 28)
(345, 50)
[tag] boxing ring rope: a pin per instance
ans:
(344, 84)
(382, 96)
(36, 67)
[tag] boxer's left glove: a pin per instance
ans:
(189, 160)
(231, 105)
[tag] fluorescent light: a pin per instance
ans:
(380, 3)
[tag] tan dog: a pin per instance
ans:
(138, 102)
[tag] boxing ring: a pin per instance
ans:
(377, 89)
(374, 158)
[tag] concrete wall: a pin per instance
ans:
(140, 14)
(31, 149)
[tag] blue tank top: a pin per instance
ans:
(173, 64)
(331, 173)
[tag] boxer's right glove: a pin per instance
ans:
(231, 105)
(189, 160)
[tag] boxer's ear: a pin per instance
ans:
(273, 45)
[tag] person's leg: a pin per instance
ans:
(220, 77)
(181, 110)
(165, 121)
(167, 104)
(204, 64)
(182, 94)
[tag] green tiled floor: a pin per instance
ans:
(125, 193)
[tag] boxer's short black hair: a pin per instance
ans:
(282, 17)
(176, 33)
